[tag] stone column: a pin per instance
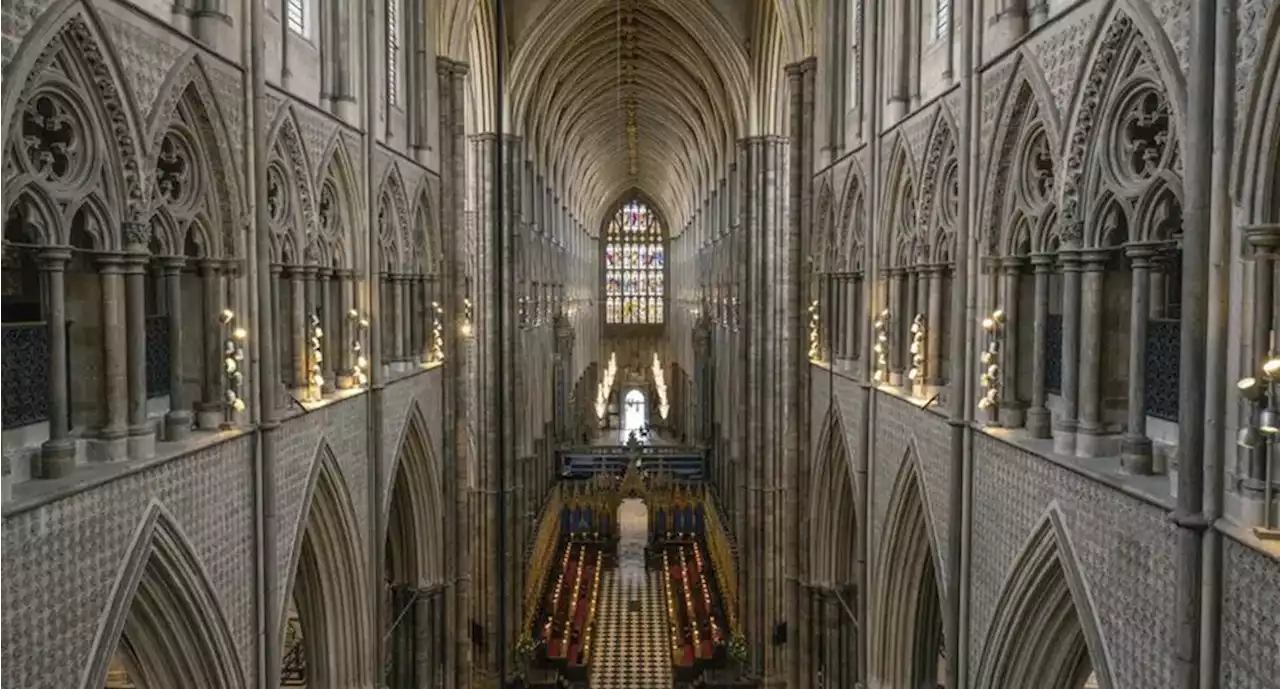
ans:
(142, 437)
(1038, 416)
(831, 637)
(897, 315)
(1011, 408)
(424, 644)
(209, 411)
(398, 293)
(113, 430)
(1136, 449)
(346, 327)
(328, 344)
(415, 319)
(1064, 437)
(177, 423)
(272, 388)
(1089, 431)
(933, 338)
(298, 329)
(57, 454)
(1157, 299)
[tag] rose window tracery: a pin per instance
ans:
(277, 203)
(949, 202)
(1141, 139)
(175, 183)
(328, 209)
(1037, 168)
(52, 138)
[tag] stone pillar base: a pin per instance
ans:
(213, 27)
(1135, 454)
(1039, 422)
(347, 108)
(1094, 443)
(177, 426)
(895, 378)
(57, 458)
(142, 442)
(109, 449)
(1064, 438)
(897, 110)
(1012, 415)
(209, 417)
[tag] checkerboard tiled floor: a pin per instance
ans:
(632, 650)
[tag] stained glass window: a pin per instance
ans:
(634, 259)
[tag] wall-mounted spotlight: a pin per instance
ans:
(993, 325)
(232, 364)
(1263, 429)
(916, 373)
(359, 364)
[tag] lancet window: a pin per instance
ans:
(635, 266)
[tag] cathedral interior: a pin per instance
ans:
(641, 344)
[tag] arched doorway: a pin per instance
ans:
(635, 408)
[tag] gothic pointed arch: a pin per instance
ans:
(824, 218)
(1126, 128)
(1021, 179)
(71, 129)
(192, 164)
(1258, 169)
(290, 197)
(832, 507)
(425, 224)
(1044, 633)
(852, 227)
(339, 204)
(327, 581)
(165, 616)
(906, 624)
(898, 249)
(392, 213)
(413, 507)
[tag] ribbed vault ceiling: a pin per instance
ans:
(613, 96)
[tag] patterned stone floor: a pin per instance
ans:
(631, 647)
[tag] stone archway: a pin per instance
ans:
(635, 410)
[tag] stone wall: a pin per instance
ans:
(65, 555)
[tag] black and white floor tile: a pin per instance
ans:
(632, 648)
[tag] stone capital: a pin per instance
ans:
(1013, 264)
(1263, 238)
(110, 261)
(1141, 253)
(135, 233)
(1043, 262)
(1095, 260)
(54, 258)
(172, 265)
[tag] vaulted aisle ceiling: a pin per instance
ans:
(616, 95)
